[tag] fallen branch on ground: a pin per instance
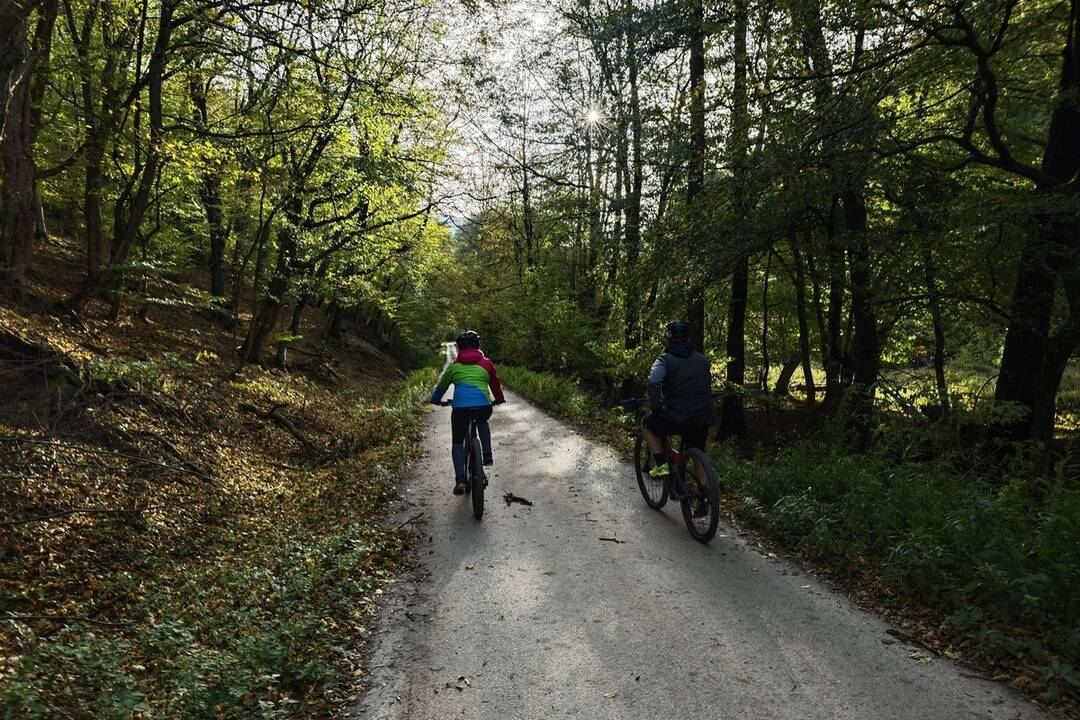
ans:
(283, 422)
(68, 511)
(102, 451)
(63, 618)
(412, 519)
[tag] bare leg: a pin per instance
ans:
(652, 440)
(700, 476)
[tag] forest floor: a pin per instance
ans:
(181, 535)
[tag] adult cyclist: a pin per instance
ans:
(471, 374)
(679, 389)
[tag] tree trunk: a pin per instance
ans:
(266, 313)
(763, 374)
(934, 305)
(833, 358)
(333, 325)
(732, 414)
(632, 328)
(17, 231)
(1032, 362)
(313, 289)
(99, 101)
(804, 329)
(866, 350)
(695, 182)
(210, 194)
(783, 383)
(126, 233)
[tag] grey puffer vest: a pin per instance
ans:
(687, 387)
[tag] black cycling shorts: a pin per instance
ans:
(692, 435)
(461, 417)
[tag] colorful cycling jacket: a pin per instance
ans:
(470, 374)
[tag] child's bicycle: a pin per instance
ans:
(692, 483)
(475, 477)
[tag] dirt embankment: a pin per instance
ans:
(142, 465)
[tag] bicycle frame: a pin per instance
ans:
(473, 433)
(474, 472)
(693, 487)
(676, 482)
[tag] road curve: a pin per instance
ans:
(544, 619)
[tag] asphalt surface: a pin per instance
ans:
(529, 613)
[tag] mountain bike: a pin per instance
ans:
(692, 483)
(475, 477)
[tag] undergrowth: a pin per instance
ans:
(988, 565)
(555, 394)
(261, 618)
(997, 559)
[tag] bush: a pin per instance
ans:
(559, 395)
(1002, 561)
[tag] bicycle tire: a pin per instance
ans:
(701, 529)
(478, 479)
(654, 491)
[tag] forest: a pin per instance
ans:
(868, 212)
(822, 190)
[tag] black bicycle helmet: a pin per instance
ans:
(677, 330)
(468, 339)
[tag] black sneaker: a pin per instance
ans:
(459, 489)
(488, 461)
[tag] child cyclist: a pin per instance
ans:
(471, 374)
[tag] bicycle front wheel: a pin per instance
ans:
(701, 505)
(654, 490)
(478, 479)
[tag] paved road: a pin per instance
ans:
(545, 620)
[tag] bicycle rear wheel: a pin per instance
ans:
(478, 478)
(654, 490)
(701, 505)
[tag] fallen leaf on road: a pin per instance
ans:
(612, 694)
(920, 657)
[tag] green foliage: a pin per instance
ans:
(76, 669)
(999, 558)
(140, 374)
(559, 395)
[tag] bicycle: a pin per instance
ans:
(475, 477)
(699, 498)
